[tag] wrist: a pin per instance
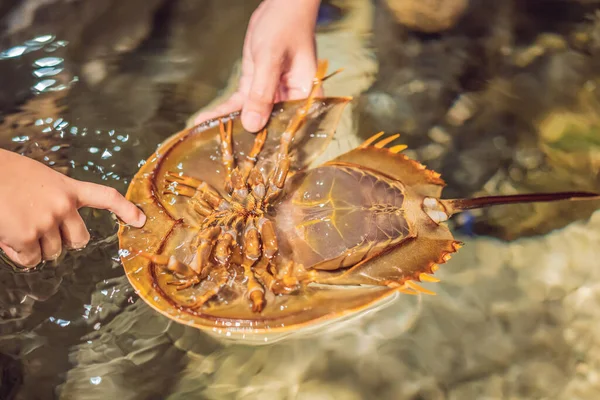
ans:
(310, 7)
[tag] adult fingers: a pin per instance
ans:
(106, 198)
(294, 92)
(27, 257)
(259, 103)
(10, 252)
(51, 244)
(300, 77)
(234, 103)
(74, 232)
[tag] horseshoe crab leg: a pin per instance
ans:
(285, 285)
(225, 242)
(237, 186)
(205, 244)
(251, 253)
(251, 158)
(257, 184)
(279, 174)
(198, 269)
(202, 193)
(169, 263)
(185, 283)
(256, 262)
(173, 265)
(227, 145)
(250, 175)
(234, 183)
(219, 279)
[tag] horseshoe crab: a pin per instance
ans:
(242, 238)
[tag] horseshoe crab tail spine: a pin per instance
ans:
(454, 206)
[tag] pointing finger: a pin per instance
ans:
(106, 198)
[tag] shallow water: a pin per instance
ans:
(501, 111)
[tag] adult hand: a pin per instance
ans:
(39, 210)
(279, 61)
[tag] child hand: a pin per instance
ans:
(278, 64)
(38, 210)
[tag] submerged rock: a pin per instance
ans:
(428, 15)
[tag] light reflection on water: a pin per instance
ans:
(102, 127)
(34, 44)
(36, 303)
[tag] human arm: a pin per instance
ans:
(39, 209)
(279, 61)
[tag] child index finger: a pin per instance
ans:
(107, 198)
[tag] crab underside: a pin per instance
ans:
(247, 246)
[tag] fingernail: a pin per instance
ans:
(253, 121)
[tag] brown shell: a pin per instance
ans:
(168, 229)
